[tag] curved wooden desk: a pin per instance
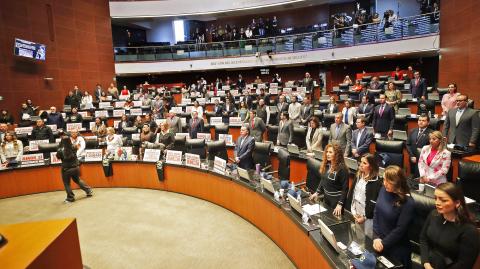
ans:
(245, 202)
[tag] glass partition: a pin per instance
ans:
(404, 28)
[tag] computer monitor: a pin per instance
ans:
(243, 173)
(295, 204)
(267, 184)
(329, 235)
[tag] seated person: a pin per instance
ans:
(138, 122)
(124, 122)
(78, 142)
(434, 161)
(75, 117)
(151, 122)
(334, 179)
(113, 142)
(112, 91)
(124, 92)
(146, 137)
(87, 101)
(449, 238)
(42, 132)
(99, 129)
(364, 192)
(393, 214)
(357, 87)
(6, 117)
(11, 150)
(314, 135)
(55, 117)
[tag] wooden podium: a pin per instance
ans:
(45, 244)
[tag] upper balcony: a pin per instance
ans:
(416, 32)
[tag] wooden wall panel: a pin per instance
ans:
(80, 53)
(460, 57)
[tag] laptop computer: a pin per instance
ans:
(295, 204)
(318, 154)
(245, 174)
(407, 96)
(267, 185)
(329, 235)
(293, 149)
(400, 135)
(351, 163)
(404, 111)
(429, 190)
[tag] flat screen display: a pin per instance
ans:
(30, 49)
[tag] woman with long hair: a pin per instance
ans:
(71, 169)
(362, 197)
(393, 96)
(449, 100)
(435, 160)
(449, 238)
(11, 149)
(334, 179)
(394, 211)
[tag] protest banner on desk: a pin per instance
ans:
(216, 121)
(192, 160)
(235, 121)
(101, 113)
(118, 112)
(219, 165)
(151, 155)
(174, 157)
(77, 126)
(206, 136)
(32, 159)
(227, 137)
(54, 159)
(135, 111)
(104, 105)
(33, 144)
(93, 155)
(23, 130)
(123, 154)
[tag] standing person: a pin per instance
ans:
(244, 149)
(306, 111)
(462, 124)
(449, 100)
(71, 169)
(294, 110)
(256, 126)
(307, 82)
(349, 113)
(174, 122)
(363, 195)
(314, 136)
(285, 130)
(341, 134)
(393, 95)
(417, 139)
(394, 211)
(195, 126)
(361, 138)
(435, 160)
(449, 238)
(383, 118)
(334, 179)
(418, 86)
(11, 150)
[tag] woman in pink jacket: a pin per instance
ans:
(434, 161)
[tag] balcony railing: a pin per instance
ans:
(403, 28)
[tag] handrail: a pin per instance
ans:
(336, 38)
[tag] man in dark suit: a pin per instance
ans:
(383, 118)
(365, 109)
(195, 126)
(418, 138)
(218, 108)
(341, 134)
(462, 124)
(257, 126)
(306, 111)
(418, 87)
(285, 130)
(228, 111)
(240, 83)
(98, 92)
(307, 82)
(244, 149)
(361, 138)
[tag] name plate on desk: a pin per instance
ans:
(118, 112)
(177, 109)
(227, 137)
(23, 130)
(219, 165)
(74, 126)
(54, 159)
(413, 116)
(192, 160)
(151, 155)
(201, 101)
(101, 113)
(137, 103)
(206, 136)
(136, 136)
(33, 144)
(186, 101)
(104, 105)
(187, 135)
(174, 157)
(301, 89)
(93, 155)
(188, 109)
(123, 154)
(261, 86)
(235, 121)
(53, 127)
(32, 159)
(136, 111)
(216, 121)
(120, 104)
(83, 113)
(273, 91)
(221, 93)
(226, 88)
(273, 85)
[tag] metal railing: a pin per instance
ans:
(403, 28)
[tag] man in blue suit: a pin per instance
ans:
(361, 138)
(418, 86)
(244, 149)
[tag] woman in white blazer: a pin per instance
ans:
(434, 161)
(314, 135)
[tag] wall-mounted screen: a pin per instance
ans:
(30, 49)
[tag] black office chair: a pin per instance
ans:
(196, 146)
(390, 152)
(47, 148)
(468, 178)
(221, 129)
(434, 124)
(23, 138)
(400, 122)
(313, 175)
(261, 153)
(325, 138)
(128, 131)
(423, 206)
(328, 119)
(217, 148)
(283, 164)
(299, 135)
(91, 143)
(426, 106)
(383, 78)
(179, 144)
(273, 117)
(272, 133)
(209, 114)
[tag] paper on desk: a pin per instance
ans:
(469, 200)
(450, 146)
(275, 149)
(313, 209)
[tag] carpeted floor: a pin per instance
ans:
(137, 228)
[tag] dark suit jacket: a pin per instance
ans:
(364, 142)
(258, 128)
(285, 133)
(308, 84)
(218, 110)
(414, 142)
(97, 94)
(284, 107)
(227, 113)
(420, 89)
(244, 152)
(334, 110)
(367, 110)
(467, 129)
(383, 123)
(193, 129)
(306, 114)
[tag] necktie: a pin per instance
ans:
(381, 110)
(253, 121)
(420, 133)
(337, 131)
(346, 116)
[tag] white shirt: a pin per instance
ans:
(79, 141)
(458, 115)
(114, 144)
(359, 198)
